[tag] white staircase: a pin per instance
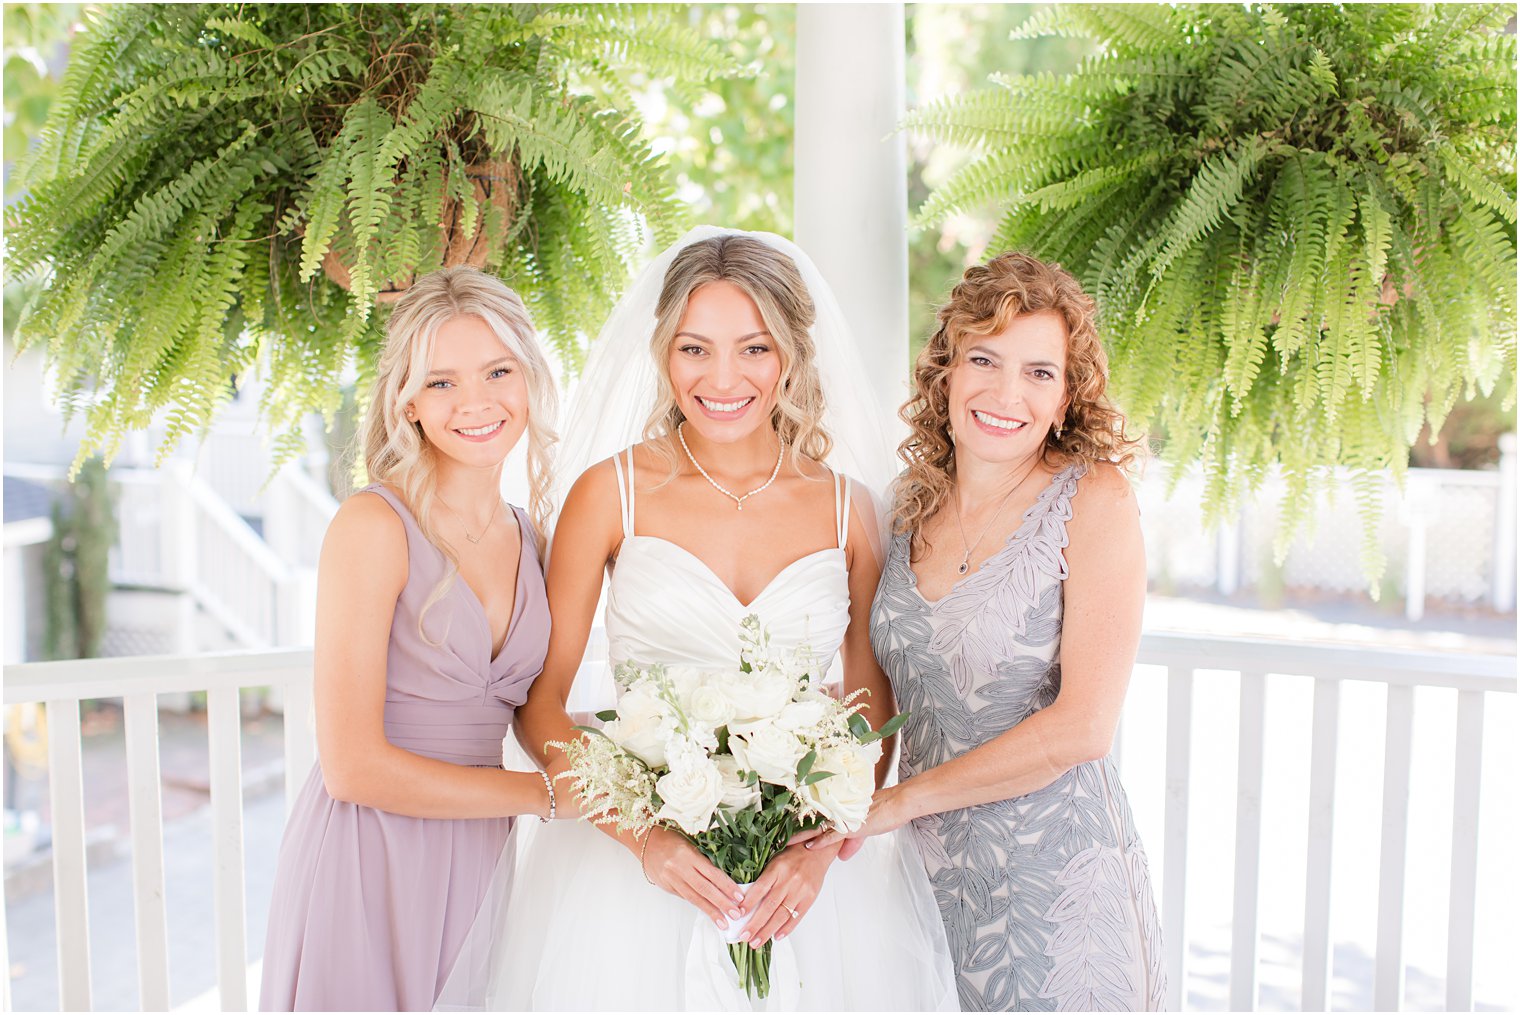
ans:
(210, 559)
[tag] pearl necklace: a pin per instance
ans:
(725, 491)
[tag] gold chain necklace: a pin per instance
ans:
(473, 539)
(965, 564)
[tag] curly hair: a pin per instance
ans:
(985, 301)
(771, 279)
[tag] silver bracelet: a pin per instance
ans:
(548, 785)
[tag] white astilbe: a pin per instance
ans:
(614, 786)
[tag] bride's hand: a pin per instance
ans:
(784, 892)
(673, 864)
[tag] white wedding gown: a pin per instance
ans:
(580, 928)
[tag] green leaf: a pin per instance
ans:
(893, 724)
(805, 765)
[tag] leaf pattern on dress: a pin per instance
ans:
(1150, 929)
(1090, 953)
(1046, 898)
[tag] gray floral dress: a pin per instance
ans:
(1046, 898)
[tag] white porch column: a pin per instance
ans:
(1503, 593)
(852, 177)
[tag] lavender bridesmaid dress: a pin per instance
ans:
(370, 908)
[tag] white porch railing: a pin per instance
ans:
(62, 686)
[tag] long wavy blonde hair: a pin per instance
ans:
(397, 452)
(771, 279)
(987, 298)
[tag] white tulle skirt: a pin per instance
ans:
(571, 924)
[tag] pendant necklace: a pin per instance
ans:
(965, 564)
(474, 539)
(738, 500)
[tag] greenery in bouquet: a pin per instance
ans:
(225, 187)
(737, 761)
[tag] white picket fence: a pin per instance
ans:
(1187, 659)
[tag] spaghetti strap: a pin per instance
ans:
(842, 508)
(625, 492)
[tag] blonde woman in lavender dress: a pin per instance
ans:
(431, 624)
(1007, 618)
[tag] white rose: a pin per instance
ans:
(759, 694)
(736, 795)
(810, 709)
(690, 791)
(707, 707)
(844, 798)
(771, 753)
(643, 725)
(683, 681)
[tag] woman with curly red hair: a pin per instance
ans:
(1007, 618)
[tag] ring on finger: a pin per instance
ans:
(789, 909)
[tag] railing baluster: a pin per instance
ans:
(5, 956)
(1464, 852)
(1388, 971)
(1244, 927)
(299, 752)
(1322, 766)
(225, 750)
(143, 781)
(70, 889)
(1179, 749)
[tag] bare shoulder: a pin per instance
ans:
(590, 512)
(367, 515)
(594, 485)
(367, 536)
(1105, 498)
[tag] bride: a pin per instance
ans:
(730, 505)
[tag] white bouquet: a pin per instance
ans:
(737, 761)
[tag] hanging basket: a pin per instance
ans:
(496, 186)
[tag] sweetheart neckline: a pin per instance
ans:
(724, 585)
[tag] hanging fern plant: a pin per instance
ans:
(221, 187)
(1299, 223)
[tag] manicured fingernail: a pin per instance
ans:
(722, 924)
(735, 913)
(738, 896)
(781, 935)
(744, 936)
